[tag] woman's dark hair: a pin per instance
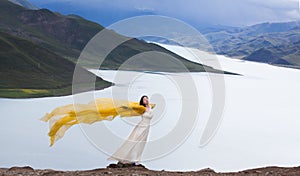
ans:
(141, 100)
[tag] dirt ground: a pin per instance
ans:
(114, 169)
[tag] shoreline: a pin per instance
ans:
(114, 169)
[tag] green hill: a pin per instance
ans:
(28, 70)
(39, 50)
(63, 35)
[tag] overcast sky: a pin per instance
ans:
(224, 12)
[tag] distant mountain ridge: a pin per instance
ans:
(281, 40)
(262, 42)
(266, 56)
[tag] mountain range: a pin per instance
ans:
(274, 43)
(40, 48)
(280, 40)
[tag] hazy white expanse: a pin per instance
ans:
(260, 125)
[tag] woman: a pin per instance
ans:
(131, 150)
(64, 117)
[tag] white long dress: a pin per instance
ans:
(131, 150)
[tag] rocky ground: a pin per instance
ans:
(114, 169)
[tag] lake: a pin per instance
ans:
(259, 124)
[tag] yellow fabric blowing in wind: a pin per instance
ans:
(63, 117)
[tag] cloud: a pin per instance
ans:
(224, 12)
(232, 12)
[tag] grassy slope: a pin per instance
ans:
(152, 58)
(28, 70)
(63, 35)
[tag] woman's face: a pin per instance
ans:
(145, 101)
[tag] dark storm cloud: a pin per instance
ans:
(224, 12)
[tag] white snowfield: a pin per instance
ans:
(259, 126)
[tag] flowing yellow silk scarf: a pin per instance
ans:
(63, 117)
